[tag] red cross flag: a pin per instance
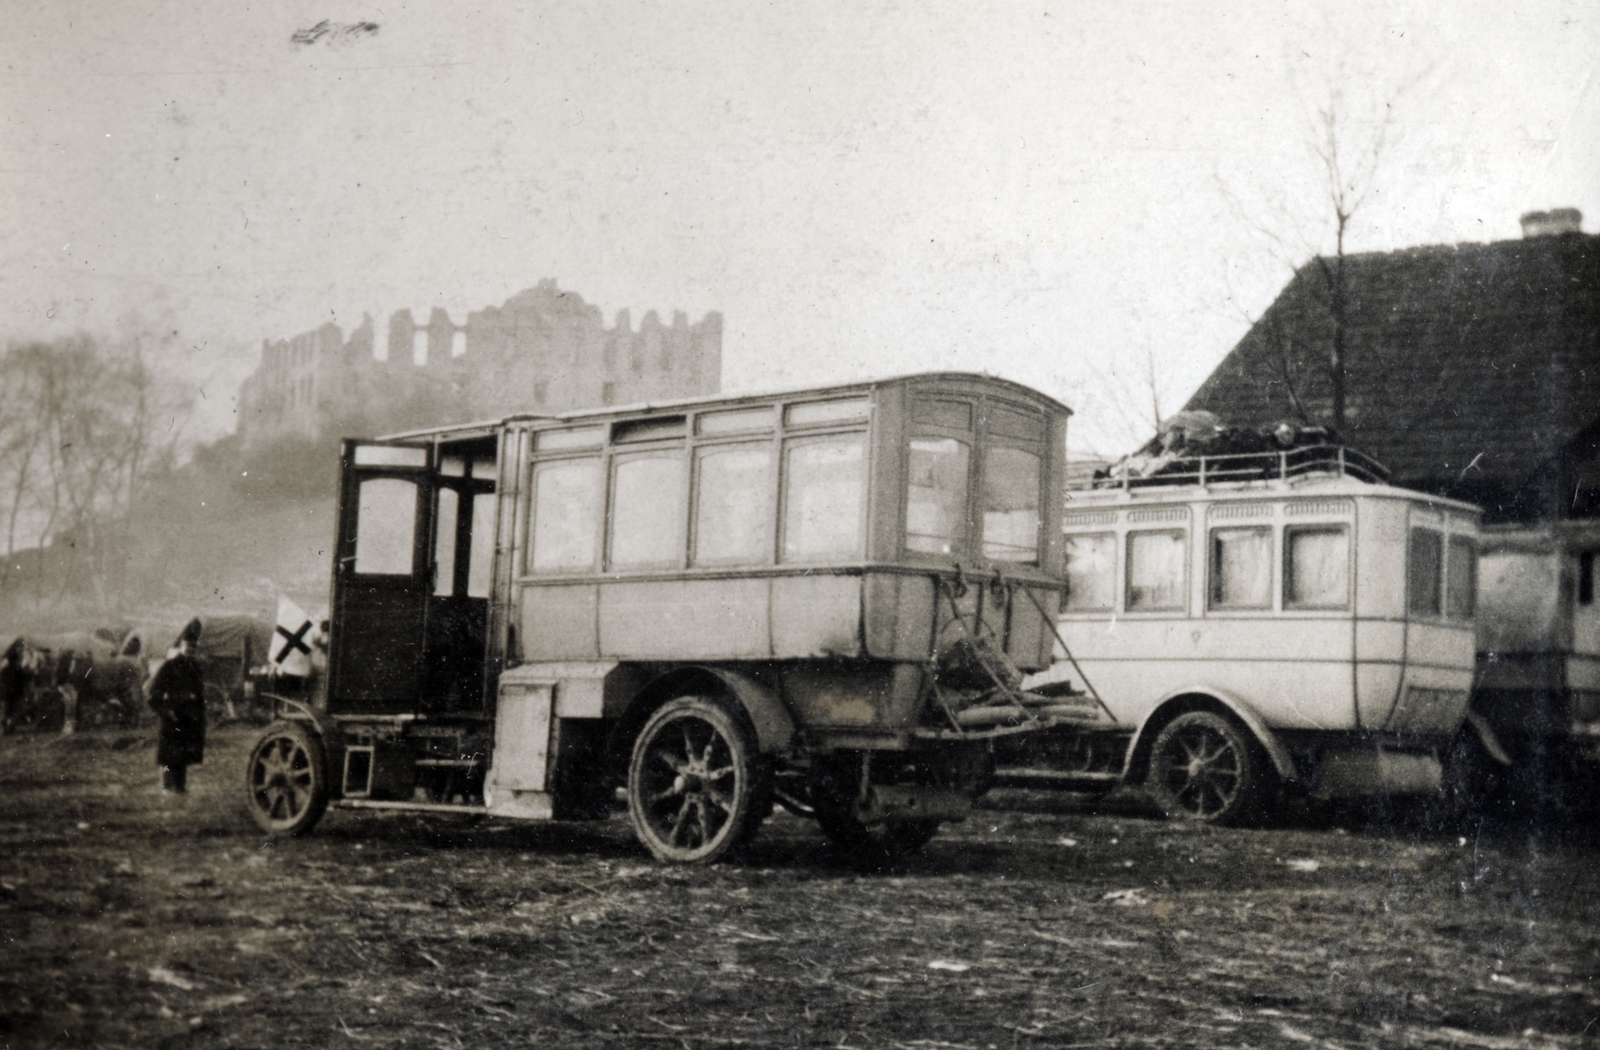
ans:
(290, 651)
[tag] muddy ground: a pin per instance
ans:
(133, 919)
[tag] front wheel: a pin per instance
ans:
(286, 782)
(696, 786)
(1206, 767)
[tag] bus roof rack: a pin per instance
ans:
(1168, 470)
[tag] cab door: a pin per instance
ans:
(382, 578)
(457, 614)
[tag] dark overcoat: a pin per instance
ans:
(13, 683)
(178, 697)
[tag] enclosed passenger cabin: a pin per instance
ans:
(836, 567)
(1264, 618)
(1539, 646)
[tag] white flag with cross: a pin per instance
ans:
(290, 651)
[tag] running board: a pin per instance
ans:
(414, 807)
(1057, 777)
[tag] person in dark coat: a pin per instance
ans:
(177, 696)
(13, 682)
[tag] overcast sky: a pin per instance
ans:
(1059, 192)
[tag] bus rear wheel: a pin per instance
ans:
(834, 786)
(696, 784)
(286, 781)
(1207, 768)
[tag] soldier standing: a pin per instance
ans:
(14, 668)
(177, 696)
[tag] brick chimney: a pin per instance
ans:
(1552, 222)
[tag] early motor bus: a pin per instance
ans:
(1260, 620)
(1538, 685)
(824, 599)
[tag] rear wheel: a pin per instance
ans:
(1470, 780)
(286, 781)
(835, 784)
(696, 785)
(1206, 767)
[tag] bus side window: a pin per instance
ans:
(1241, 568)
(1316, 567)
(1586, 577)
(647, 510)
(1155, 571)
(566, 515)
(446, 502)
(824, 497)
(480, 553)
(1423, 573)
(1461, 578)
(733, 505)
(1091, 572)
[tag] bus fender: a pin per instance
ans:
(774, 726)
(1479, 726)
(1136, 761)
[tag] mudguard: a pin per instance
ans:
(1136, 757)
(1479, 726)
(774, 726)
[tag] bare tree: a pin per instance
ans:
(1135, 394)
(1348, 142)
(1349, 175)
(78, 439)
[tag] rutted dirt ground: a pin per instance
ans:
(133, 919)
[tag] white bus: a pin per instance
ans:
(1256, 622)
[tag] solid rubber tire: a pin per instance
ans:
(286, 780)
(669, 784)
(1208, 768)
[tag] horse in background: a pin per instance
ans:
(72, 680)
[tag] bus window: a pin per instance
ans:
(936, 500)
(1091, 572)
(1155, 571)
(819, 413)
(951, 415)
(1316, 567)
(733, 505)
(823, 499)
(737, 421)
(480, 552)
(566, 515)
(386, 523)
(647, 518)
(444, 540)
(1011, 505)
(1241, 568)
(1423, 573)
(1461, 578)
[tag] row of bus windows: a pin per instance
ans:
(734, 509)
(734, 505)
(1441, 578)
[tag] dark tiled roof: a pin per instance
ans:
(1473, 370)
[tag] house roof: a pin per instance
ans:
(1472, 370)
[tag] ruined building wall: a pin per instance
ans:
(542, 349)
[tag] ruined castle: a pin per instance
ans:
(542, 350)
